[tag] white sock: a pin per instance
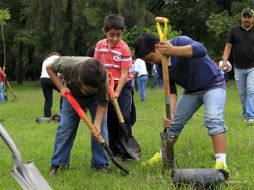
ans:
(221, 157)
(160, 154)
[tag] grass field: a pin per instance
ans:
(193, 149)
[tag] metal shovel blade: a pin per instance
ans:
(132, 147)
(29, 177)
(114, 159)
(199, 178)
(167, 150)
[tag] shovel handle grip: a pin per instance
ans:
(82, 115)
(162, 35)
(161, 19)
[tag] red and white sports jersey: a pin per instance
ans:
(115, 58)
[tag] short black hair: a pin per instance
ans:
(90, 52)
(92, 73)
(113, 21)
(145, 44)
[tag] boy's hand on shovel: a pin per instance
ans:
(167, 122)
(96, 131)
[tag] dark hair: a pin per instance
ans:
(113, 21)
(92, 73)
(145, 44)
(90, 52)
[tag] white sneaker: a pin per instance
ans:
(250, 121)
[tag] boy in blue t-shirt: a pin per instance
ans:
(202, 81)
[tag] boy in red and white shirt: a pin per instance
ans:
(115, 54)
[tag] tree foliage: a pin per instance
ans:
(70, 27)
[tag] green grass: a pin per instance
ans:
(193, 149)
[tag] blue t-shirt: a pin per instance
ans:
(196, 74)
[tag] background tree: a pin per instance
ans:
(72, 26)
(4, 16)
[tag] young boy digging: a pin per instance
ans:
(202, 81)
(86, 79)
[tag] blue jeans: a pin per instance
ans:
(142, 82)
(2, 99)
(245, 84)
(67, 130)
(188, 104)
(157, 79)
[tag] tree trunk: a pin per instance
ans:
(20, 70)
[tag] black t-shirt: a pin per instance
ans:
(243, 46)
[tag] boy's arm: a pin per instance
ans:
(101, 110)
(170, 50)
(166, 121)
(56, 80)
(226, 54)
(121, 82)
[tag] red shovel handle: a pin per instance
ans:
(82, 114)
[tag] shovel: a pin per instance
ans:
(167, 148)
(200, 178)
(27, 175)
(129, 143)
(100, 139)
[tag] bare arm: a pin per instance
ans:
(226, 54)
(55, 79)
(170, 50)
(122, 81)
(166, 121)
(101, 110)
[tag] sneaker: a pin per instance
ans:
(250, 121)
(102, 170)
(43, 119)
(53, 170)
(223, 169)
(154, 160)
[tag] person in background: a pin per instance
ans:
(142, 77)
(2, 74)
(115, 54)
(156, 78)
(203, 84)
(240, 40)
(48, 86)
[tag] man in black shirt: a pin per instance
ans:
(240, 40)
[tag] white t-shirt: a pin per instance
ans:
(140, 67)
(46, 62)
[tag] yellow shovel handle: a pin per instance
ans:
(163, 37)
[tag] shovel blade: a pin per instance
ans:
(29, 177)
(200, 178)
(115, 161)
(132, 147)
(167, 150)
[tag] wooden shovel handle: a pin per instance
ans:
(82, 115)
(165, 62)
(114, 100)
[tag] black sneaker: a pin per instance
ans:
(102, 170)
(53, 170)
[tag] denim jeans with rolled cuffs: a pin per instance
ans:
(188, 104)
(67, 130)
(245, 84)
